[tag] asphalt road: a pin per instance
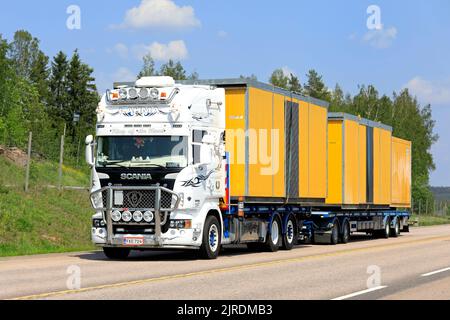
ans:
(414, 266)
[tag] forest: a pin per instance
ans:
(49, 96)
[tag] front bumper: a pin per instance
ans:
(173, 239)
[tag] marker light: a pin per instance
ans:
(116, 216)
(154, 93)
(163, 95)
(127, 216)
(114, 95)
(137, 216)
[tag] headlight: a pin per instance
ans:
(116, 216)
(132, 93)
(97, 200)
(154, 93)
(143, 93)
(98, 223)
(127, 216)
(137, 216)
(148, 216)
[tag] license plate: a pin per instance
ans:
(133, 241)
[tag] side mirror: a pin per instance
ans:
(90, 151)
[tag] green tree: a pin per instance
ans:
(294, 84)
(251, 77)
(148, 69)
(39, 76)
(174, 70)
(82, 96)
(315, 87)
(59, 84)
(279, 79)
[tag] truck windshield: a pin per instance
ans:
(156, 151)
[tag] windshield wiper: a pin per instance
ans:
(119, 163)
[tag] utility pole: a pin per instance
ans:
(61, 159)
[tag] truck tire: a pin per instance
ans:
(211, 243)
(116, 253)
(290, 237)
(395, 232)
(334, 238)
(345, 236)
(386, 231)
(405, 228)
(273, 241)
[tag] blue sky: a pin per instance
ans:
(221, 39)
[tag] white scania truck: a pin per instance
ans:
(161, 175)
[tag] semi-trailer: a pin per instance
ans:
(202, 164)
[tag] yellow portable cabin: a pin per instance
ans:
(277, 143)
(367, 167)
(285, 148)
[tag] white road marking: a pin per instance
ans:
(435, 272)
(359, 293)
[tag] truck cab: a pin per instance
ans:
(158, 166)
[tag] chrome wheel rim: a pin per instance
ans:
(290, 231)
(213, 238)
(274, 232)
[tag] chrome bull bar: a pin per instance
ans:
(157, 209)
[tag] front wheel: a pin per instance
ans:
(211, 239)
(116, 253)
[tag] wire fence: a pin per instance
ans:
(439, 208)
(58, 181)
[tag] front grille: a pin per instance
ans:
(131, 229)
(143, 199)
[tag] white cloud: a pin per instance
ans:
(222, 34)
(120, 49)
(123, 74)
(175, 50)
(160, 14)
(380, 38)
(434, 92)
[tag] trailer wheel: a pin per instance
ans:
(386, 231)
(395, 232)
(211, 239)
(334, 239)
(273, 241)
(290, 237)
(116, 253)
(345, 237)
(405, 228)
